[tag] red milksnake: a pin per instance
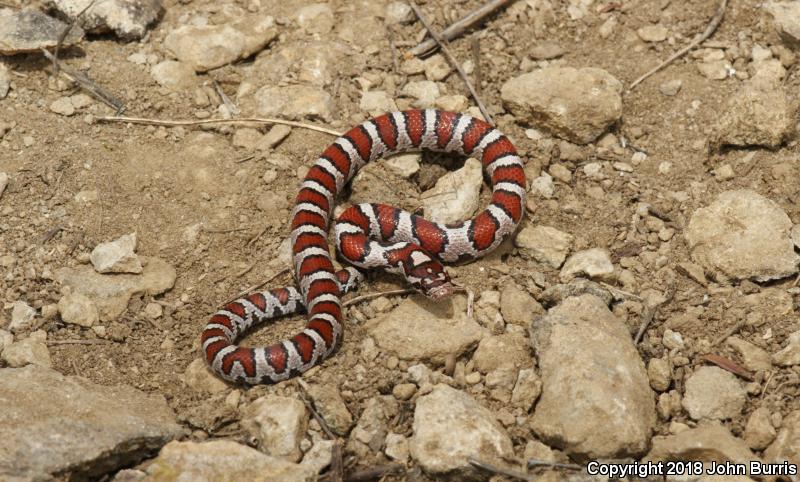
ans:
(367, 236)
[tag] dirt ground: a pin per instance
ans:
(160, 182)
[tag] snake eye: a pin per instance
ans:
(430, 270)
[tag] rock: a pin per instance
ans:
(577, 105)
(404, 165)
(396, 447)
(399, 12)
(6, 339)
(671, 87)
(544, 186)
(452, 103)
(78, 309)
(3, 178)
(247, 138)
(425, 92)
(274, 136)
(596, 402)
(174, 75)
(111, 293)
(198, 377)
(294, 102)
(653, 33)
(660, 374)
(5, 85)
(315, 18)
(436, 68)
(210, 46)
(508, 349)
(759, 432)
(330, 406)
(108, 427)
(715, 70)
(710, 441)
(412, 66)
(424, 330)
(527, 389)
(62, 106)
(319, 456)
(714, 393)
(786, 16)
(22, 315)
(517, 306)
(377, 102)
(456, 195)
(790, 354)
(469, 429)
(759, 114)
(28, 30)
(306, 61)
(545, 244)
(222, 460)
(753, 357)
(786, 446)
(117, 256)
(278, 424)
(743, 235)
(594, 263)
(128, 19)
(30, 351)
(546, 51)
(369, 434)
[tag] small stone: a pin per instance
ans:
(560, 173)
(117, 256)
(546, 51)
(30, 351)
(396, 447)
(404, 165)
(369, 434)
(518, 306)
(78, 309)
(715, 70)
(452, 103)
(399, 12)
(653, 33)
(5, 81)
(594, 263)
(28, 30)
(412, 66)
(577, 105)
(425, 93)
(508, 349)
(759, 432)
(22, 315)
(319, 456)
(527, 389)
(436, 68)
(377, 102)
(713, 393)
(128, 20)
(671, 87)
(660, 374)
(743, 235)
(672, 340)
(787, 444)
(153, 310)
(456, 195)
(247, 138)
(331, 407)
(278, 424)
(63, 106)
(709, 441)
(404, 391)
(543, 185)
(473, 378)
(790, 354)
(315, 18)
(198, 377)
(753, 358)
(174, 75)
(294, 102)
(545, 244)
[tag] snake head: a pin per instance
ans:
(432, 280)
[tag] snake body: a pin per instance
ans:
(367, 236)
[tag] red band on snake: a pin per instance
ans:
(367, 236)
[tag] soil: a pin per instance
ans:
(160, 182)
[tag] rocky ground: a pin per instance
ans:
(645, 310)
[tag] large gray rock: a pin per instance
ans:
(52, 424)
(278, 424)
(222, 460)
(28, 30)
(128, 19)
(743, 235)
(544, 244)
(596, 399)
(456, 195)
(787, 20)
(111, 292)
(210, 46)
(575, 104)
(708, 442)
(450, 426)
(421, 329)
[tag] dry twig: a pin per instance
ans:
(554, 465)
(450, 58)
(336, 471)
(98, 341)
(650, 312)
(64, 34)
(359, 299)
(499, 470)
(88, 85)
(232, 109)
(712, 26)
(245, 120)
(729, 365)
(457, 28)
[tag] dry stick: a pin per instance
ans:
(712, 26)
(244, 120)
(461, 25)
(650, 312)
(337, 468)
(498, 470)
(232, 109)
(476, 59)
(76, 342)
(88, 85)
(452, 60)
(554, 465)
(370, 296)
(64, 34)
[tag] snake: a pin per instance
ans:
(367, 236)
